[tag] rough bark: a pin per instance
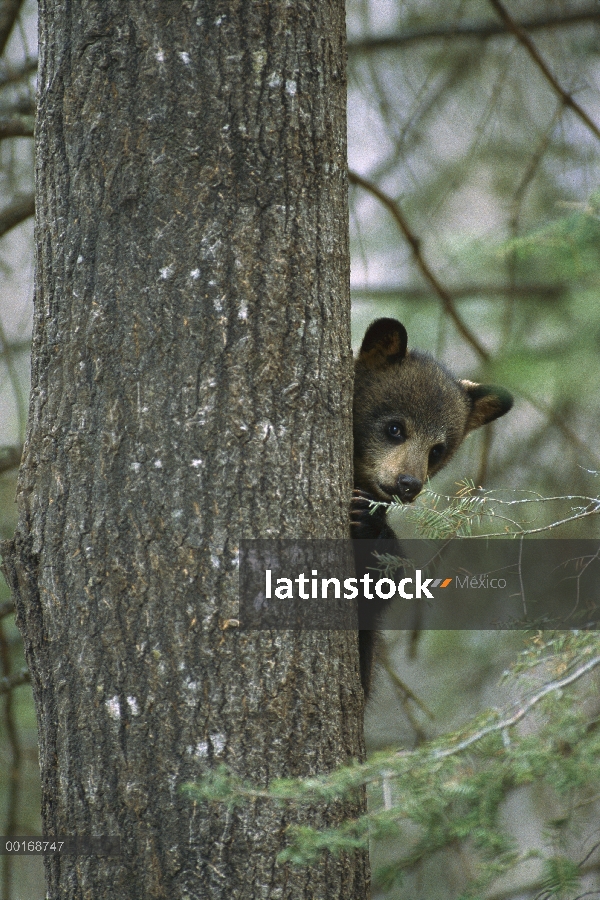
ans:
(191, 385)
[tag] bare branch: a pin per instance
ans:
(16, 126)
(409, 293)
(17, 347)
(510, 721)
(526, 41)
(413, 240)
(10, 458)
(12, 74)
(406, 696)
(7, 608)
(593, 511)
(13, 681)
(22, 208)
(557, 420)
(477, 30)
(9, 10)
(8, 354)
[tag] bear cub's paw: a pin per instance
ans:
(366, 523)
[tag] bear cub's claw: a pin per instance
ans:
(366, 523)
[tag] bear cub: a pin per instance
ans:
(410, 416)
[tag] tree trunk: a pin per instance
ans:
(191, 385)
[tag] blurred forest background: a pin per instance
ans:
(474, 157)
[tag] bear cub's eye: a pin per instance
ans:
(395, 430)
(436, 453)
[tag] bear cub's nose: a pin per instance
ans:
(408, 488)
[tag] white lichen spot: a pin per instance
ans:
(177, 513)
(291, 87)
(114, 707)
(274, 80)
(243, 313)
(195, 274)
(218, 742)
(202, 749)
(196, 463)
(166, 272)
(220, 20)
(79, 259)
(259, 60)
(136, 466)
(157, 464)
(133, 706)
(266, 429)
(185, 57)
(216, 562)
(160, 56)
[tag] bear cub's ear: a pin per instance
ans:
(488, 402)
(384, 344)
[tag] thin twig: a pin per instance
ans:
(581, 515)
(415, 244)
(526, 41)
(510, 721)
(477, 30)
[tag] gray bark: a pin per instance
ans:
(191, 385)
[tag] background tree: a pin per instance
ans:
(191, 386)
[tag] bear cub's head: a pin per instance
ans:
(410, 413)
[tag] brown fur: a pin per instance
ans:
(408, 392)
